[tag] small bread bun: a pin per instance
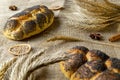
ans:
(96, 55)
(106, 75)
(113, 64)
(88, 70)
(71, 65)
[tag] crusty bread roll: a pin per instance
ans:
(28, 22)
(90, 65)
(70, 66)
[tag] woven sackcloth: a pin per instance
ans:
(68, 22)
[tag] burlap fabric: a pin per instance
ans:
(63, 25)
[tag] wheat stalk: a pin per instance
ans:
(19, 64)
(68, 38)
(97, 8)
(25, 65)
(55, 58)
(112, 5)
(63, 38)
(5, 66)
(109, 14)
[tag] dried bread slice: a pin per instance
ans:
(20, 49)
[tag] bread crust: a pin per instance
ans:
(28, 22)
(93, 65)
(71, 65)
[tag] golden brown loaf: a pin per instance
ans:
(87, 64)
(28, 22)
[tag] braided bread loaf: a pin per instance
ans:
(29, 22)
(87, 64)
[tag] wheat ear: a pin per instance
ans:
(35, 61)
(68, 38)
(5, 67)
(109, 14)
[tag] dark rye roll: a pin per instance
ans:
(28, 22)
(77, 59)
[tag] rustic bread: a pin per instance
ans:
(70, 66)
(87, 64)
(28, 22)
